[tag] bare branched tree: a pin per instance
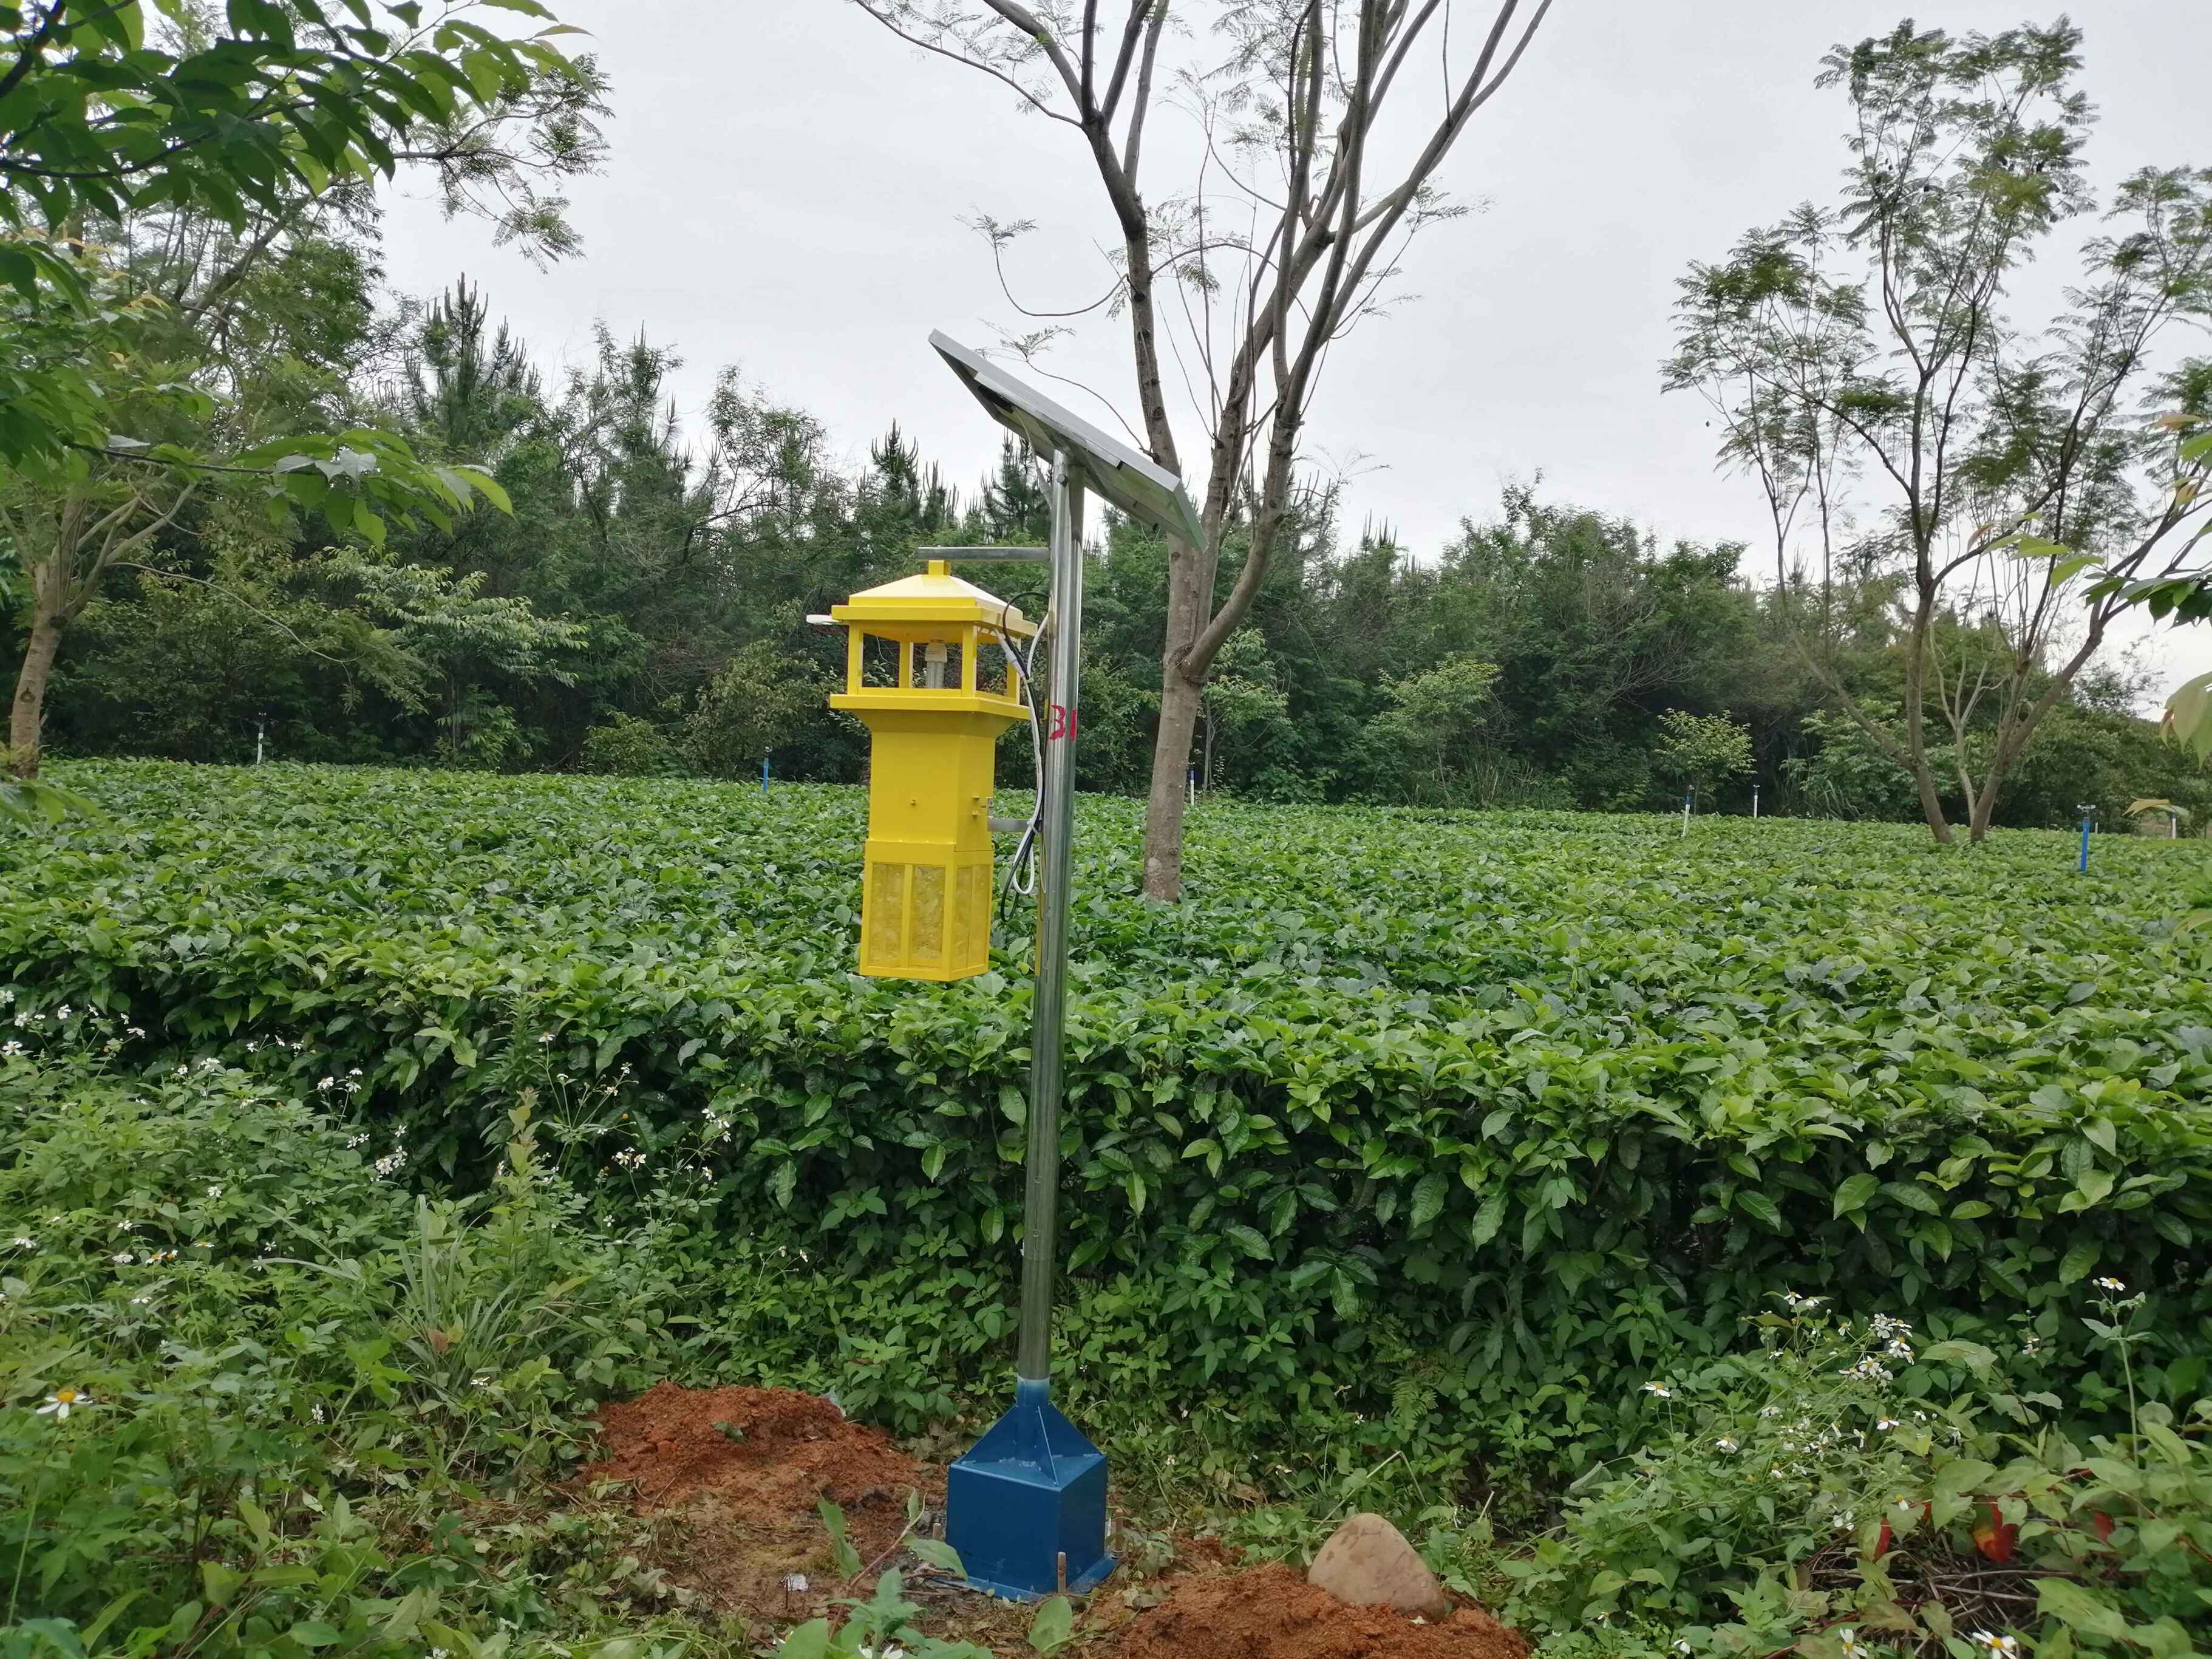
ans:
(1303, 196)
(2023, 484)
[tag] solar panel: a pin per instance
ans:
(1136, 483)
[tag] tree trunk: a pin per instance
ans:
(1977, 825)
(27, 715)
(1916, 711)
(1163, 808)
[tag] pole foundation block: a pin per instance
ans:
(1031, 1491)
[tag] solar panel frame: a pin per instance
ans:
(1135, 483)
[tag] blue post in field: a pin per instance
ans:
(2086, 812)
(763, 774)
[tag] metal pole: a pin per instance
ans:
(2084, 841)
(1754, 800)
(1041, 1197)
(763, 774)
(1686, 794)
(260, 737)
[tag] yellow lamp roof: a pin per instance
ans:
(935, 595)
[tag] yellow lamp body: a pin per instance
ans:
(932, 744)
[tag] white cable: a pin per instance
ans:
(1021, 872)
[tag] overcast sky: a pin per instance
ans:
(787, 184)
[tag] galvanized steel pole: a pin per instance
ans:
(1041, 1199)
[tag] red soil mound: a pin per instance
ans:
(769, 1451)
(1272, 1613)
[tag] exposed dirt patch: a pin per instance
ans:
(769, 1448)
(740, 1471)
(1272, 1613)
(731, 1478)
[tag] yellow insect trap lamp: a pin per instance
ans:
(1025, 1507)
(934, 736)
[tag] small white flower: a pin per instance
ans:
(392, 1163)
(1659, 1390)
(2111, 1285)
(315, 1412)
(121, 1258)
(210, 1064)
(326, 1085)
(355, 1073)
(61, 1012)
(142, 1301)
(544, 1038)
(1886, 1424)
(12, 1049)
(215, 1189)
(62, 1401)
(1990, 1644)
(1899, 1349)
(24, 1242)
(1681, 1647)
(481, 1379)
(794, 1583)
(630, 1160)
(137, 1030)
(357, 1140)
(1724, 1445)
(254, 1047)
(1848, 1639)
(1770, 1411)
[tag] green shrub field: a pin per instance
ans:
(1490, 1114)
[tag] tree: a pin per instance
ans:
(1870, 341)
(256, 126)
(457, 634)
(1240, 693)
(749, 709)
(1291, 233)
(102, 117)
(1703, 751)
(1437, 714)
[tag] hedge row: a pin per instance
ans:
(1519, 1105)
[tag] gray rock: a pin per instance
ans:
(1368, 1563)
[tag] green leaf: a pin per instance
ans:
(1488, 1219)
(1428, 1200)
(936, 1552)
(2072, 1604)
(1761, 1208)
(313, 1633)
(1250, 1240)
(1054, 1626)
(810, 1641)
(1855, 1191)
(847, 1558)
(2079, 1259)
(1962, 1475)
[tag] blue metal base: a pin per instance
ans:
(1030, 1490)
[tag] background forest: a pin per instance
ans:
(642, 609)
